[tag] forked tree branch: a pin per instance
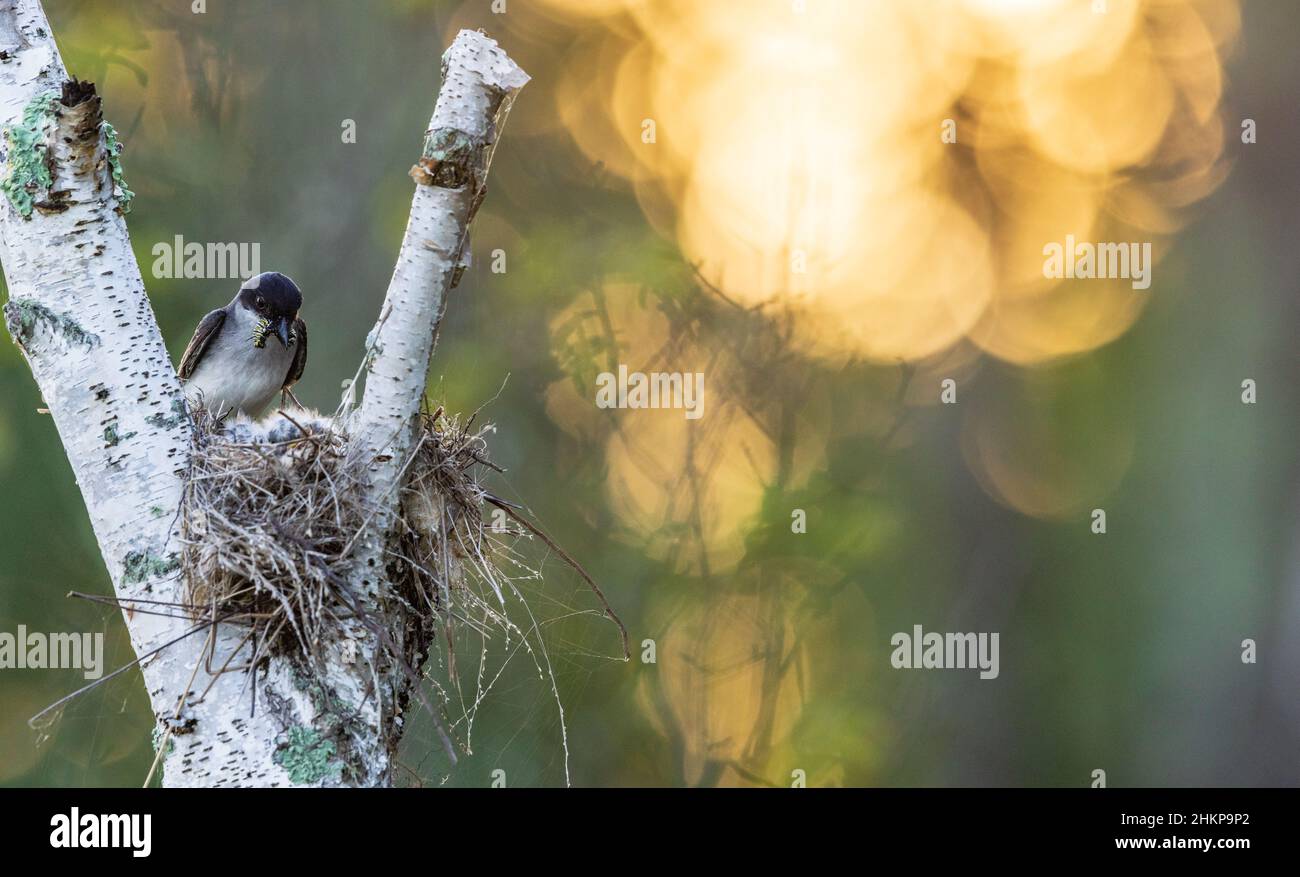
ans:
(78, 310)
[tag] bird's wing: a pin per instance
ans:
(299, 363)
(208, 328)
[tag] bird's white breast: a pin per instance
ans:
(233, 375)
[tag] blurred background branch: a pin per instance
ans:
(922, 262)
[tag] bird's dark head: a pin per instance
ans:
(273, 300)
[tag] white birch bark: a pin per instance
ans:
(478, 85)
(479, 81)
(78, 310)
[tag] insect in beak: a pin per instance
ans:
(260, 332)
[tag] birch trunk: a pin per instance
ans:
(478, 85)
(78, 310)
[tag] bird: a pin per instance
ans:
(229, 366)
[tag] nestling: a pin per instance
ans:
(229, 366)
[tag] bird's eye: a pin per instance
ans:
(261, 303)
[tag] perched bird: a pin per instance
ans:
(229, 366)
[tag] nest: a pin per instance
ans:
(272, 511)
(271, 514)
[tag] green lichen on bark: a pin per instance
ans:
(171, 747)
(140, 566)
(449, 144)
(22, 315)
(167, 421)
(112, 438)
(335, 719)
(307, 757)
(113, 148)
(332, 714)
(157, 739)
(451, 158)
(29, 153)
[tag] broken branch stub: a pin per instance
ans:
(479, 84)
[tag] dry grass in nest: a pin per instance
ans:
(271, 513)
(265, 522)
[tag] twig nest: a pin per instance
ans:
(272, 511)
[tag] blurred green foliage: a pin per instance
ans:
(1118, 652)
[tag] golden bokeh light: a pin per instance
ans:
(686, 491)
(694, 493)
(1046, 457)
(794, 152)
(730, 683)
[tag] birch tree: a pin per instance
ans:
(78, 310)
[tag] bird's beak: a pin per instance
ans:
(282, 329)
